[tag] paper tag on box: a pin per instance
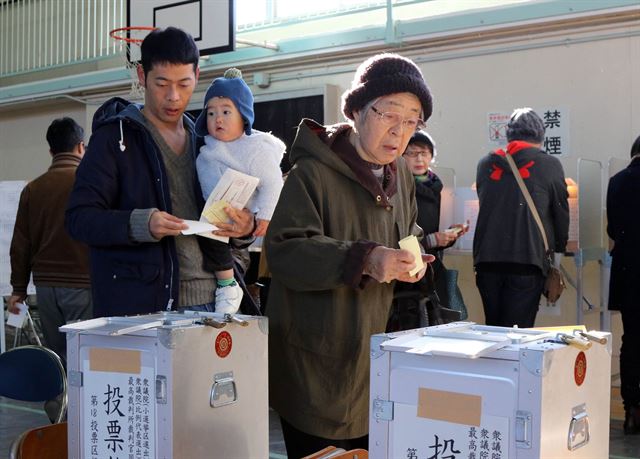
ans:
(411, 244)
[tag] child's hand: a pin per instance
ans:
(261, 228)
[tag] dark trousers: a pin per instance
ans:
(630, 357)
(58, 306)
(300, 444)
(510, 299)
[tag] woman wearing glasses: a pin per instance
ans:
(419, 156)
(332, 247)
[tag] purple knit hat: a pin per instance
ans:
(385, 74)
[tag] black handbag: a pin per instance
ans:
(418, 305)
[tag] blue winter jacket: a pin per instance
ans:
(127, 277)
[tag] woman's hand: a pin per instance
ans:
(444, 238)
(464, 228)
(385, 265)
(406, 277)
(242, 224)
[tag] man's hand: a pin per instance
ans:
(163, 224)
(261, 229)
(241, 226)
(11, 303)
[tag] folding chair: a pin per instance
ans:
(33, 374)
(34, 331)
(46, 442)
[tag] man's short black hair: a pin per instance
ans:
(635, 148)
(63, 135)
(168, 46)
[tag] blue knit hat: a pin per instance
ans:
(232, 86)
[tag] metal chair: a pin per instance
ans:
(34, 374)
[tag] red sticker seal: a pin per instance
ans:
(223, 344)
(580, 368)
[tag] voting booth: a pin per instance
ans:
(472, 391)
(168, 385)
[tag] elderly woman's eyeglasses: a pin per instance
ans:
(393, 119)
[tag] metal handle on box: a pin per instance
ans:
(223, 391)
(523, 429)
(578, 428)
(209, 322)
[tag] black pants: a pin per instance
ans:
(300, 444)
(630, 357)
(510, 299)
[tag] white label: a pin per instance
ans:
(413, 437)
(119, 414)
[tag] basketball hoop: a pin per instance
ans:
(130, 39)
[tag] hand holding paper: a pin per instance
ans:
(411, 244)
(196, 227)
(233, 190)
(17, 320)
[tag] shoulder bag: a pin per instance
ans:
(554, 283)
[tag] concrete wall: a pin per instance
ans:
(24, 152)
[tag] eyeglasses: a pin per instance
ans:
(416, 153)
(393, 119)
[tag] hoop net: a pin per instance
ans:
(129, 40)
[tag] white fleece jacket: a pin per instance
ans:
(258, 154)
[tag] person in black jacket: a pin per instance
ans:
(508, 250)
(136, 186)
(419, 155)
(624, 288)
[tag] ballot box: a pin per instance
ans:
(168, 385)
(469, 391)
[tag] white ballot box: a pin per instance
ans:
(468, 391)
(168, 385)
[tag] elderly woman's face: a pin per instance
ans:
(379, 141)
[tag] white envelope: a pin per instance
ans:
(196, 227)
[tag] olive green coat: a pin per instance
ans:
(320, 327)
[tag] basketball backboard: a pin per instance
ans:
(210, 22)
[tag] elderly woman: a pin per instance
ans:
(332, 247)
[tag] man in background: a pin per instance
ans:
(624, 289)
(41, 246)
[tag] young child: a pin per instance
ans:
(230, 142)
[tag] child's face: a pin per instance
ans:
(224, 121)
